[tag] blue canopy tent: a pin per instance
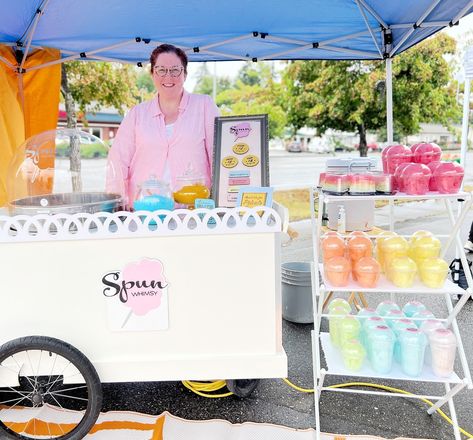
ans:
(216, 30)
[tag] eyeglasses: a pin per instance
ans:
(173, 71)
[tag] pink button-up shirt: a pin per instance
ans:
(142, 148)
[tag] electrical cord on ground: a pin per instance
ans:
(203, 388)
(383, 387)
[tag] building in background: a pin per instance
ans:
(103, 124)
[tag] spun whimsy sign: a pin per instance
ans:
(137, 296)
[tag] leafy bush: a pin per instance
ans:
(87, 151)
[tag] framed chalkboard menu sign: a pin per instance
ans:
(240, 157)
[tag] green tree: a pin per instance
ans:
(92, 85)
(349, 95)
(145, 85)
(252, 74)
(255, 92)
(205, 82)
(96, 84)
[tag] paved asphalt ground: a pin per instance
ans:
(274, 402)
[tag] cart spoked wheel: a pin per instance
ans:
(242, 387)
(48, 390)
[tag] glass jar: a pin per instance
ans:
(152, 195)
(190, 186)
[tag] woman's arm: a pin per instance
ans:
(121, 155)
(211, 111)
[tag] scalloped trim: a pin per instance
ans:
(85, 226)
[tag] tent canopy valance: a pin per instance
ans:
(127, 31)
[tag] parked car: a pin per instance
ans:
(294, 147)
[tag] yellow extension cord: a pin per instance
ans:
(202, 388)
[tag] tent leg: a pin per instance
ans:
(466, 113)
(389, 100)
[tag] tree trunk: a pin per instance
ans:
(363, 146)
(75, 165)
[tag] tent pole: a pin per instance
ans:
(389, 100)
(369, 28)
(466, 114)
(31, 31)
(416, 25)
(10, 65)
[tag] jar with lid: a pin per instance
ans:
(189, 187)
(152, 195)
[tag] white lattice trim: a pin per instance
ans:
(43, 227)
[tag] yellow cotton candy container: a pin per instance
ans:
(189, 187)
(425, 247)
(415, 236)
(379, 252)
(401, 271)
(393, 247)
(433, 272)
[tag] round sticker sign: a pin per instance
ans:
(241, 148)
(251, 160)
(229, 162)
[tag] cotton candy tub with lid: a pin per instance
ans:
(64, 171)
(447, 177)
(393, 156)
(153, 195)
(425, 153)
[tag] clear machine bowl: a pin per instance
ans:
(63, 171)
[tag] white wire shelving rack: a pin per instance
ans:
(321, 288)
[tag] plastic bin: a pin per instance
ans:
(297, 292)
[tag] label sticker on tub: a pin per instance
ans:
(137, 296)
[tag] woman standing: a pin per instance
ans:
(162, 137)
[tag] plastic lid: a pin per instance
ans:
(339, 302)
(442, 336)
(413, 335)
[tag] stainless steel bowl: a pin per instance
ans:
(67, 203)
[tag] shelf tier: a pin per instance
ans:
(330, 198)
(336, 367)
(385, 286)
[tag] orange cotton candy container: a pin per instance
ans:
(332, 246)
(366, 272)
(337, 271)
(359, 247)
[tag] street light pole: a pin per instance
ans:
(468, 65)
(389, 100)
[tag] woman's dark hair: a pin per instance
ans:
(168, 48)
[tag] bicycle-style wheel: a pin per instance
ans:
(48, 390)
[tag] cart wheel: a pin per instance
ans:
(242, 387)
(41, 379)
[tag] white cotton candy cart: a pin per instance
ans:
(65, 328)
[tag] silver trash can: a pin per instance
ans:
(297, 292)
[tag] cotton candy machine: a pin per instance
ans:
(63, 171)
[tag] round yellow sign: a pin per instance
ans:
(229, 162)
(241, 148)
(251, 160)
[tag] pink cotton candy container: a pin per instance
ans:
(397, 181)
(448, 177)
(396, 155)
(414, 146)
(415, 179)
(433, 183)
(426, 153)
(384, 154)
